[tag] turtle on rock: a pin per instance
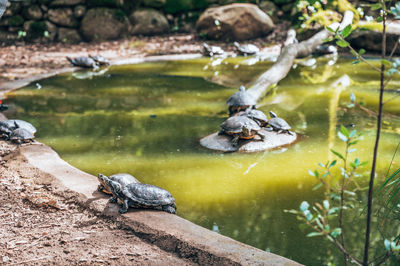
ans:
(83, 61)
(211, 51)
(240, 127)
(258, 116)
(240, 101)
(8, 126)
(21, 135)
(138, 195)
(278, 124)
(122, 178)
(100, 60)
(246, 49)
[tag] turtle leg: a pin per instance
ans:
(124, 207)
(113, 199)
(221, 132)
(235, 140)
(169, 208)
(100, 188)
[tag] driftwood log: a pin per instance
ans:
(273, 75)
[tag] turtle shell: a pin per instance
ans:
(21, 135)
(121, 178)
(279, 124)
(212, 50)
(241, 98)
(256, 115)
(235, 124)
(7, 126)
(148, 195)
(83, 61)
(247, 49)
(100, 59)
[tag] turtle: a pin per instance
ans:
(100, 60)
(212, 50)
(240, 127)
(21, 135)
(278, 124)
(138, 195)
(240, 101)
(122, 178)
(258, 116)
(246, 49)
(83, 61)
(7, 126)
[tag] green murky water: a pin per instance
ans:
(147, 119)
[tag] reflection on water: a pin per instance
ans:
(146, 120)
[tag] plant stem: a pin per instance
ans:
(378, 133)
(342, 203)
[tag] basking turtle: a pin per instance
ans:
(121, 178)
(212, 50)
(256, 115)
(100, 60)
(246, 49)
(240, 127)
(21, 135)
(278, 124)
(83, 61)
(7, 126)
(240, 101)
(138, 195)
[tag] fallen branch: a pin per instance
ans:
(282, 66)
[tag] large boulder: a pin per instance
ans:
(234, 22)
(63, 17)
(371, 41)
(66, 2)
(67, 35)
(148, 22)
(104, 24)
(33, 12)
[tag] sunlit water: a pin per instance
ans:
(147, 119)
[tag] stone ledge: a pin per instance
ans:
(169, 232)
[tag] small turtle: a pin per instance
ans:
(240, 101)
(121, 178)
(21, 135)
(100, 60)
(138, 195)
(212, 50)
(83, 61)
(278, 124)
(240, 127)
(7, 126)
(256, 115)
(246, 49)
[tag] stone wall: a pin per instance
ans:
(73, 21)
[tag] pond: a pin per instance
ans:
(147, 120)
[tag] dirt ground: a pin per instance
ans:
(38, 227)
(22, 59)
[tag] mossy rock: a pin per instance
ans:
(105, 3)
(15, 21)
(154, 3)
(35, 29)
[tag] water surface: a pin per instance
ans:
(147, 119)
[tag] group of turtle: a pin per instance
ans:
(91, 61)
(245, 122)
(17, 131)
(129, 192)
(245, 49)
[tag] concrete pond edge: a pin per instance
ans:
(167, 231)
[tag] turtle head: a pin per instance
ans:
(246, 130)
(115, 187)
(272, 114)
(102, 179)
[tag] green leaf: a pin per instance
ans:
(328, 39)
(308, 215)
(314, 234)
(385, 62)
(344, 130)
(361, 52)
(352, 133)
(354, 53)
(351, 150)
(376, 6)
(342, 43)
(332, 163)
(304, 206)
(330, 29)
(317, 186)
(337, 154)
(333, 211)
(387, 244)
(352, 97)
(379, 19)
(355, 62)
(336, 232)
(311, 173)
(346, 31)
